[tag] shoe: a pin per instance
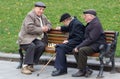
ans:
(54, 71)
(88, 73)
(78, 74)
(30, 67)
(25, 70)
(59, 72)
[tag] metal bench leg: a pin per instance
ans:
(46, 64)
(100, 74)
(21, 59)
(113, 64)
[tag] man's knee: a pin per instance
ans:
(32, 46)
(41, 45)
(82, 51)
(85, 50)
(60, 51)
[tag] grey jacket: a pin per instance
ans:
(31, 28)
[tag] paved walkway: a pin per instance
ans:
(8, 71)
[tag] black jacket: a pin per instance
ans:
(76, 33)
(94, 35)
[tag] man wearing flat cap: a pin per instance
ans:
(32, 36)
(94, 37)
(76, 33)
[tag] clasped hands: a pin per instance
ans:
(45, 28)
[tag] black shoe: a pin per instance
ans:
(88, 73)
(59, 72)
(78, 74)
(54, 71)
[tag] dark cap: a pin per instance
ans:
(90, 11)
(40, 4)
(64, 16)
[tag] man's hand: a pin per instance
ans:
(58, 28)
(65, 41)
(45, 28)
(75, 50)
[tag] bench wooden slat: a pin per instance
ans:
(57, 38)
(54, 41)
(55, 32)
(109, 32)
(57, 35)
(108, 42)
(109, 39)
(109, 35)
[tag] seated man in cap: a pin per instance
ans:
(32, 36)
(94, 37)
(76, 32)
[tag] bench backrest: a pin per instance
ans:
(57, 37)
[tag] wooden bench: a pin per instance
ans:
(57, 37)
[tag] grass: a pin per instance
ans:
(13, 12)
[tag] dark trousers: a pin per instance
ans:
(60, 61)
(33, 51)
(81, 57)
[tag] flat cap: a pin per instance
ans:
(90, 11)
(40, 4)
(64, 16)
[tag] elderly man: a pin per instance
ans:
(76, 32)
(32, 36)
(94, 37)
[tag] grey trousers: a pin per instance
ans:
(33, 51)
(81, 57)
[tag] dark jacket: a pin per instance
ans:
(94, 35)
(76, 34)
